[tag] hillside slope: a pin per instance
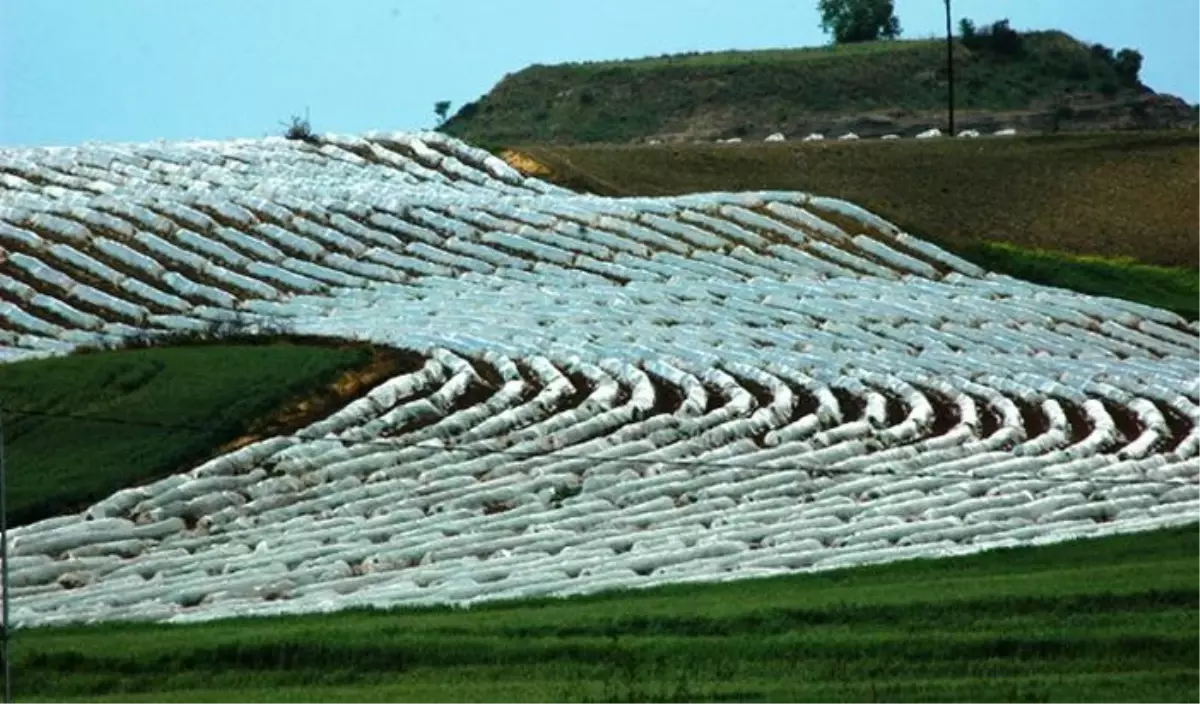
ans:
(872, 89)
(1110, 195)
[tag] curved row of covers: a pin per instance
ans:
(616, 392)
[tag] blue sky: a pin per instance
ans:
(130, 70)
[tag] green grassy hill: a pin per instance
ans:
(871, 88)
(78, 428)
(1109, 619)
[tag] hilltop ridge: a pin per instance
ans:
(1050, 82)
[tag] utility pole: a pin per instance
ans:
(950, 65)
(6, 633)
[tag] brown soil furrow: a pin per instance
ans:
(385, 363)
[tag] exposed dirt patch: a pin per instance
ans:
(806, 403)
(526, 164)
(385, 363)
(852, 406)
(1126, 421)
(667, 397)
(532, 384)
(487, 372)
(1032, 418)
(1178, 423)
(896, 410)
(762, 395)
(945, 412)
(989, 419)
(716, 398)
(1077, 419)
(476, 394)
(583, 389)
(623, 395)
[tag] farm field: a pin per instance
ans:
(600, 392)
(209, 394)
(1111, 619)
(1122, 194)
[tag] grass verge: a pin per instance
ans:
(1111, 619)
(213, 396)
(1173, 288)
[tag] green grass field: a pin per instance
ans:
(1111, 619)
(218, 392)
(1174, 288)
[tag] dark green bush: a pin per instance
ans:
(1128, 66)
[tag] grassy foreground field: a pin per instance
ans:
(1112, 619)
(216, 392)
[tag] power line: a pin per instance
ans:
(5, 634)
(950, 67)
(715, 465)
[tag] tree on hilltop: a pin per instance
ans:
(859, 20)
(1128, 64)
(967, 29)
(442, 109)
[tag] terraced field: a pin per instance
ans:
(614, 392)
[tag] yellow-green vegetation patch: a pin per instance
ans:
(1174, 288)
(1109, 619)
(78, 428)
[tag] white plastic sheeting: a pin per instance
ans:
(630, 385)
